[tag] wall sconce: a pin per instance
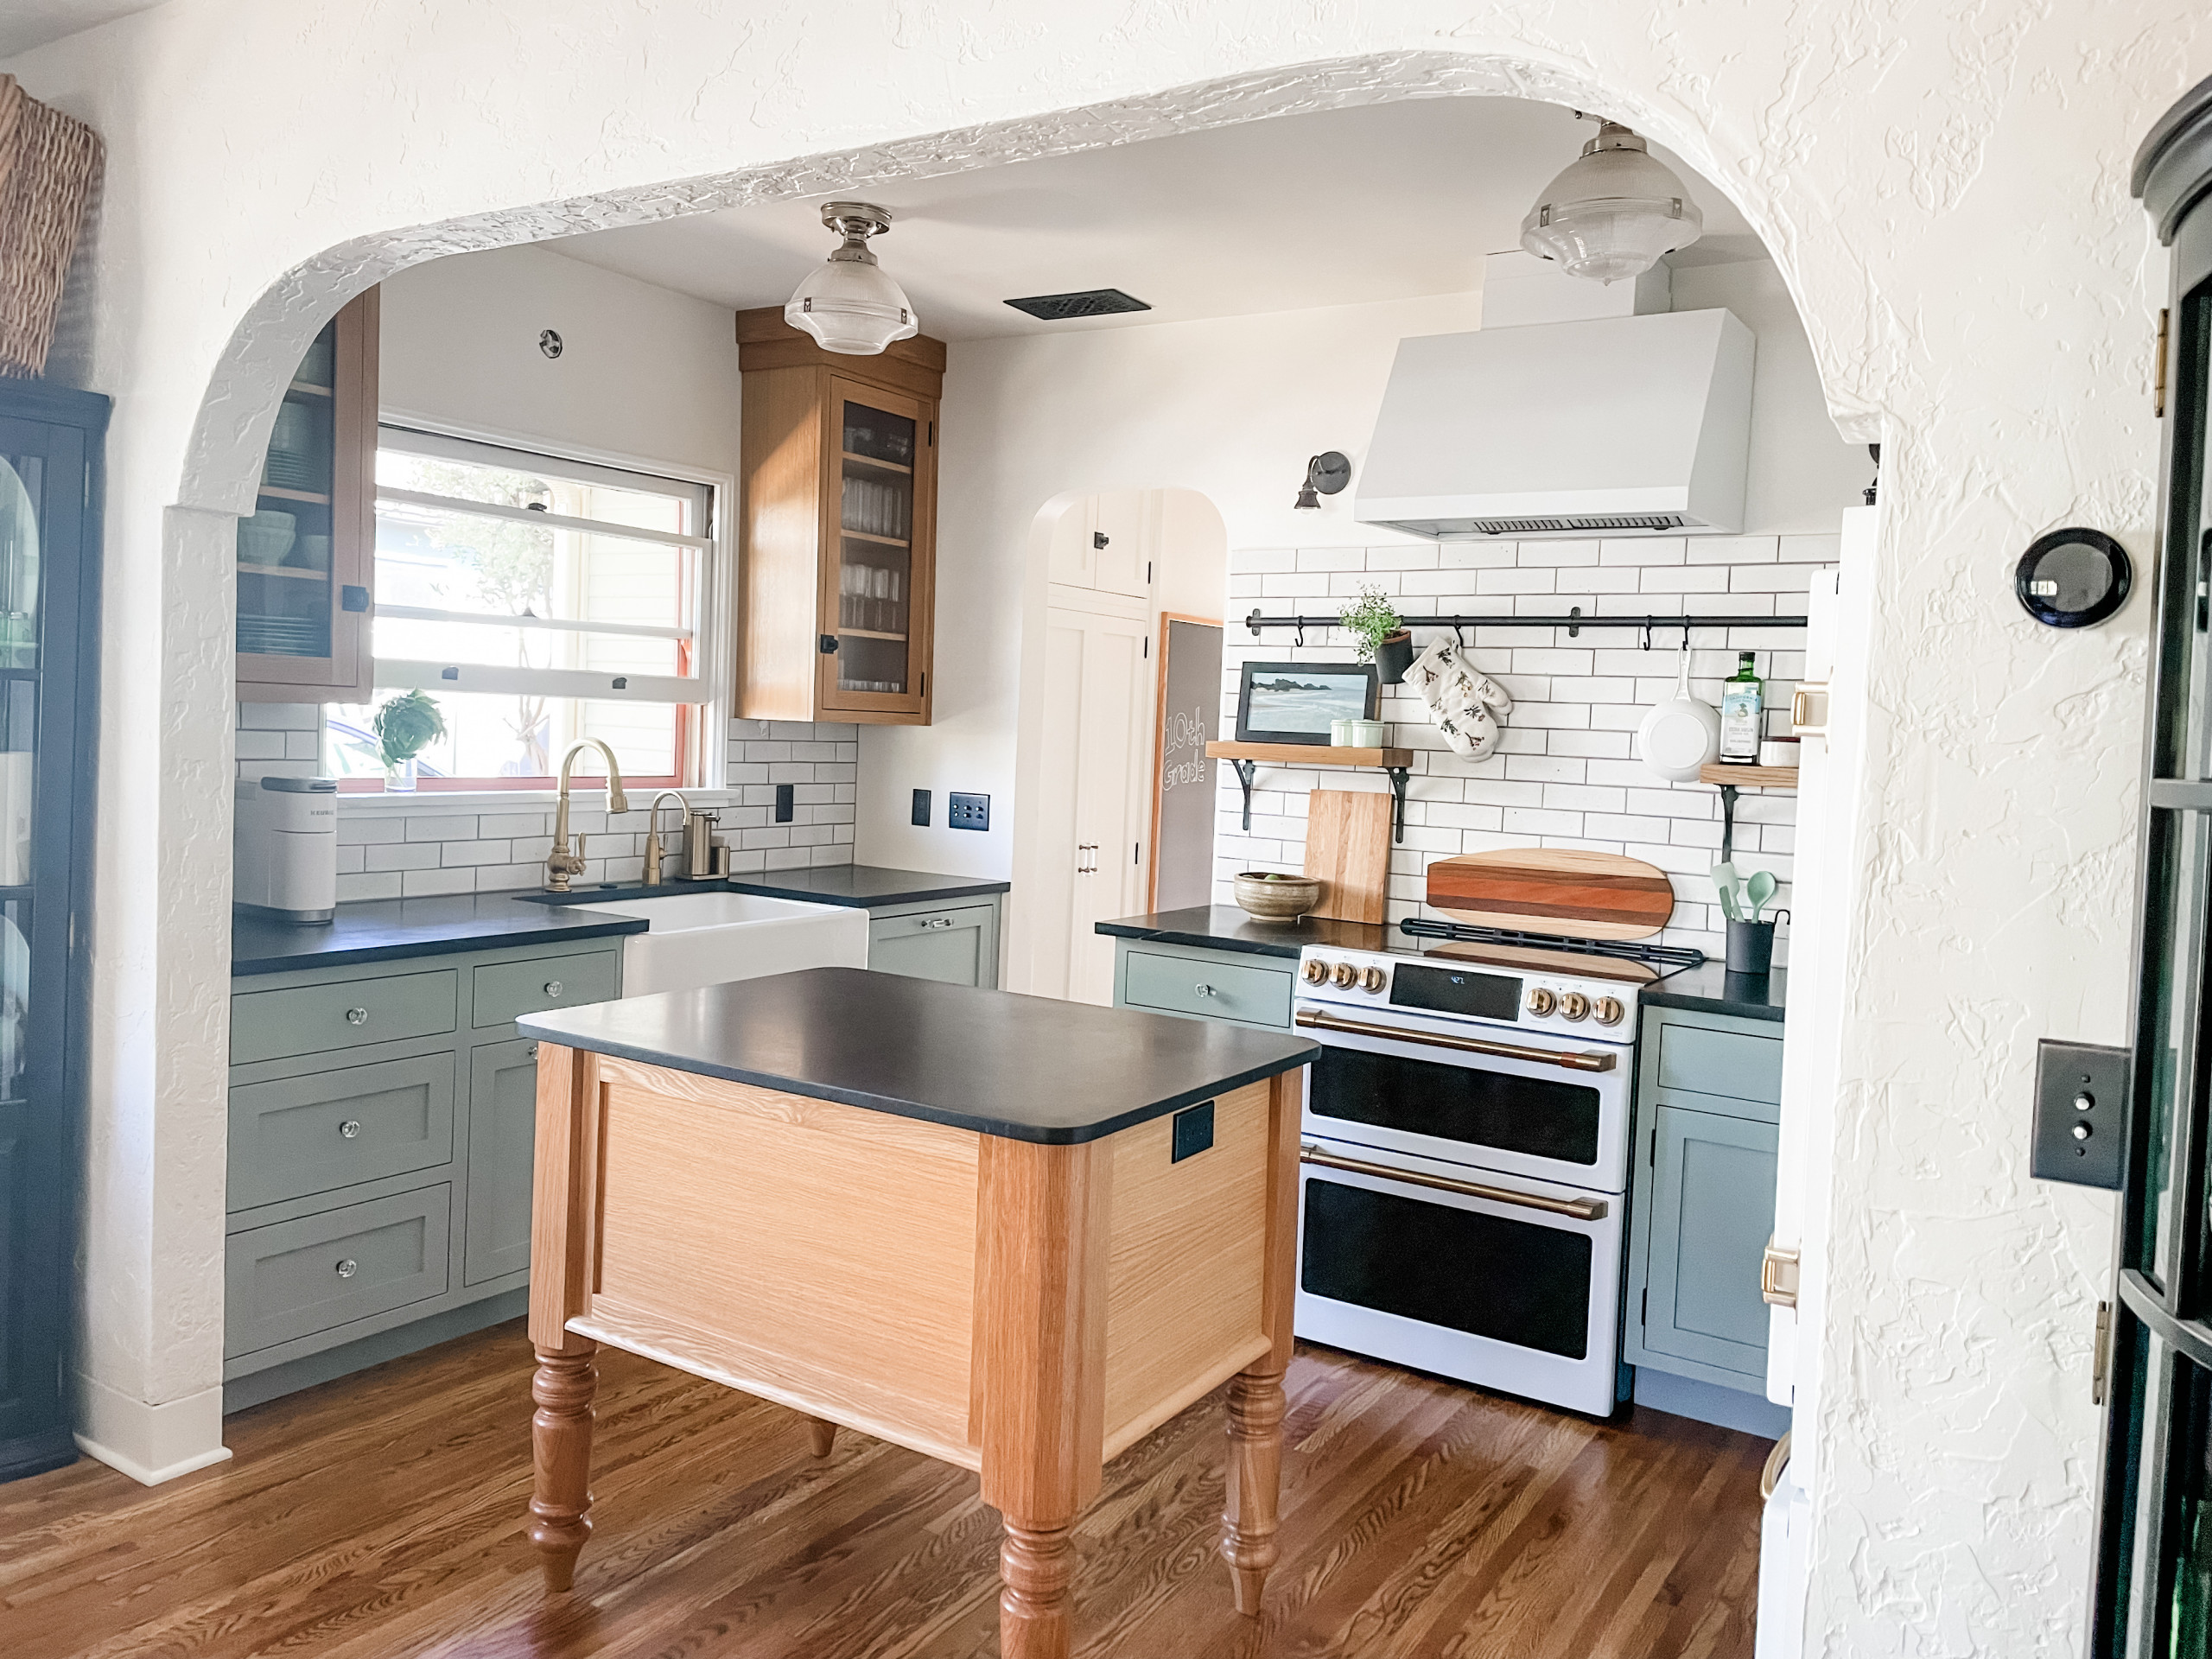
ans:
(1326, 473)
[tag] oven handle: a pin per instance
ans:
(1313, 1018)
(1580, 1209)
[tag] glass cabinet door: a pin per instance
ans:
(880, 599)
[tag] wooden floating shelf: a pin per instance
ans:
(311, 389)
(281, 494)
(1309, 754)
(869, 634)
(866, 535)
(870, 460)
(1716, 772)
(1247, 757)
(248, 570)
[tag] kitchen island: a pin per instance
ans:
(1013, 1234)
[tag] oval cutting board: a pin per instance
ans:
(1560, 890)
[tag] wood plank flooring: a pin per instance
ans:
(380, 1517)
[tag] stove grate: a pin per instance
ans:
(1672, 957)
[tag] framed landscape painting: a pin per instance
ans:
(1294, 702)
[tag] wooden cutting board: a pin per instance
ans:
(1562, 890)
(1348, 851)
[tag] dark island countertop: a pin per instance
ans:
(391, 930)
(1711, 989)
(857, 887)
(1224, 927)
(1024, 1068)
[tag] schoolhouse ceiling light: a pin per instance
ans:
(1613, 212)
(847, 303)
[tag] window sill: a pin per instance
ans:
(586, 794)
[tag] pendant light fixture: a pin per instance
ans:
(847, 303)
(1613, 212)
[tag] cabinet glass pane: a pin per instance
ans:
(875, 549)
(21, 480)
(284, 572)
(2173, 967)
(2183, 712)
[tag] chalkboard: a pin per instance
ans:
(1183, 782)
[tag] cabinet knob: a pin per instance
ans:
(351, 1128)
(357, 1016)
(532, 1051)
(552, 988)
(1202, 988)
(937, 921)
(348, 1267)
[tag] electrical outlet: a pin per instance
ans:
(968, 811)
(783, 807)
(921, 817)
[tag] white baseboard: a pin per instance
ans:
(150, 1443)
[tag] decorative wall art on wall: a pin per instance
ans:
(1294, 702)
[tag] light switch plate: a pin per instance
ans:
(2081, 1125)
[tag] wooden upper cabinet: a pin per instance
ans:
(307, 556)
(837, 537)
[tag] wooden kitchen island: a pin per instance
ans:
(1015, 1234)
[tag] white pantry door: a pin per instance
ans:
(1092, 808)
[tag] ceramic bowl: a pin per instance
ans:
(1271, 897)
(265, 537)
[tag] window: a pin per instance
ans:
(537, 601)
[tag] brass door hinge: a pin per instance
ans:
(2158, 370)
(2101, 1357)
(1778, 1276)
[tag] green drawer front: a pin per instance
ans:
(1720, 1063)
(313, 1019)
(507, 990)
(1210, 990)
(956, 946)
(299, 1277)
(299, 1136)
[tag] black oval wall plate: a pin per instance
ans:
(2072, 578)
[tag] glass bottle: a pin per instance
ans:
(1741, 702)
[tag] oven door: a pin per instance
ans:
(1538, 1108)
(1509, 1284)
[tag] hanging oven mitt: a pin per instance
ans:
(1453, 692)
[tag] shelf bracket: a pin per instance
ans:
(1397, 803)
(1246, 771)
(1728, 793)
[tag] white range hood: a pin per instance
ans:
(1621, 426)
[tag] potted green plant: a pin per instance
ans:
(408, 723)
(1383, 638)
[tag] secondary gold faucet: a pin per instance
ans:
(652, 832)
(560, 863)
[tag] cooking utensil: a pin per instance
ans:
(1759, 890)
(1348, 851)
(1560, 890)
(1681, 734)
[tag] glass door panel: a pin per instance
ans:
(876, 563)
(2172, 1055)
(22, 479)
(285, 545)
(2183, 744)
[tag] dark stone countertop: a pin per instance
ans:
(857, 887)
(1024, 1068)
(1711, 989)
(1224, 927)
(391, 930)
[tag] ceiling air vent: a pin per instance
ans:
(1092, 302)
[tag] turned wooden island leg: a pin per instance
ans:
(560, 1441)
(821, 1436)
(1248, 1523)
(1036, 1568)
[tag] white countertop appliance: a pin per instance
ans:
(284, 848)
(1463, 1180)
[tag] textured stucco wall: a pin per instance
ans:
(1942, 182)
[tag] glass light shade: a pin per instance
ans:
(1612, 213)
(850, 306)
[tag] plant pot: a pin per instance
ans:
(1394, 656)
(1750, 948)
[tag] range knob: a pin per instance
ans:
(1573, 1006)
(1342, 975)
(1372, 982)
(1315, 971)
(1609, 1010)
(1541, 1002)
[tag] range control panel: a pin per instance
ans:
(1548, 1001)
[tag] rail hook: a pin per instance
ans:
(1646, 633)
(1301, 632)
(1459, 635)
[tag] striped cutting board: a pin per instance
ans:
(1554, 890)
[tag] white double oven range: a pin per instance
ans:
(1463, 1179)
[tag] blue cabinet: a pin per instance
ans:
(50, 447)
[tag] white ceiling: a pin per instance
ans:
(27, 23)
(1346, 207)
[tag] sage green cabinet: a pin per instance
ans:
(957, 942)
(1236, 986)
(1701, 1203)
(382, 1130)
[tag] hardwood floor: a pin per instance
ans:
(381, 1517)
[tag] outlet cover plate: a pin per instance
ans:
(920, 817)
(968, 811)
(2068, 1074)
(784, 802)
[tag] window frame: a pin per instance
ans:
(714, 639)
